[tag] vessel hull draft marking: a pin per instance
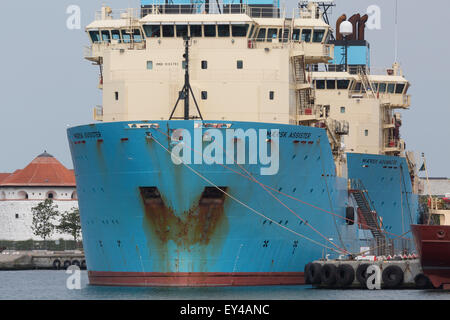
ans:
(433, 244)
(148, 221)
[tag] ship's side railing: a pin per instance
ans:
(112, 14)
(390, 247)
(218, 7)
(157, 7)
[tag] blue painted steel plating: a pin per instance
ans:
(121, 234)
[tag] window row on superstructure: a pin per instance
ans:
(116, 35)
(210, 30)
(357, 87)
(315, 35)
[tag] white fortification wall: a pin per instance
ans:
(15, 210)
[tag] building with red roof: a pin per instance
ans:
(43, 178)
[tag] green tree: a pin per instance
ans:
(69, 223)
(44, 215)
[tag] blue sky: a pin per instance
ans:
(46, 85)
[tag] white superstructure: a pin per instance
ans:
(268, 61)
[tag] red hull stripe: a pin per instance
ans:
(197, 279)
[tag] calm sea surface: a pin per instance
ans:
(43, 285)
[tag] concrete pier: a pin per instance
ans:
(41, 259)
(392, 274)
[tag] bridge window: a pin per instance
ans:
(223, 30)
(137, 36)
(149, 65)
(168, 31)
(252, 29)
(209, 30)
(271, 34)
(261, 34)
(399, 88)
(126, 36)
(152, 31)
(239, 30)
(115, 35)
(240, 64)
(296, 35)
(343, 84)
(331, 84)
(204, 95)
(196, 30)
(382, 88)
(318, 35)
(204, 64)
(283, 35)
(95, 36)
(106, 37)
(320, 84)
(342, 109)
(358, 86)
(182, 30)
(375, 86)
(271, 95)
(306, 35)
(391, 87)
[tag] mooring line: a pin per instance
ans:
(242, 203)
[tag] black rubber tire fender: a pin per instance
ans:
(392, 277)
(67, 264)
(83, 264)
(422, 281)
(76, 263)
(314, 273)
(56, 264)
(345, 275)
(361, 274)
(328, 274)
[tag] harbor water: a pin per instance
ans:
(52, 285)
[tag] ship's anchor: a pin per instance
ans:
(184, 93)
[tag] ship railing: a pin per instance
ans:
(390, 247)
(394, 144)
(309, 110)
(214, 8)
(98, 113)
(437, 203)
(95, 50)
(113, 14)
(88, 52)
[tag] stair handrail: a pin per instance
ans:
(357, 184)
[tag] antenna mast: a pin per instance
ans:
(396, 32)
(187, 90)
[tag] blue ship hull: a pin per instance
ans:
(147, 221)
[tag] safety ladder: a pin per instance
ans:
(369, 214)
(367, 85)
